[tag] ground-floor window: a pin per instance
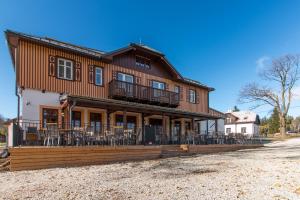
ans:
(243, 130)
(76, 119)
(228, 130)
(95, 122)
(49, 116)
(131, 121)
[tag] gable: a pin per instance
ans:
(156, 67)
(159, 65)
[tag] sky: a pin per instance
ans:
(221, 43)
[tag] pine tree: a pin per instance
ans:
(235, 109)
(274, 122)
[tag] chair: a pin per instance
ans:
(52, 134)
(78, 135)
(32, 137)
(111, 139)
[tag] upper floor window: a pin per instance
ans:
(125, 77)
(192, 96)
(142, 62)
(158, 85)
(228, 120)
(65, 69)
(98, 76)
(176, 89)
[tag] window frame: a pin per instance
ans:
(142, 62)
(95, 75)
(125, 77)
(159, 83)
(177, 92)
(243, 128)
(190, 96)
(228, 129)
(44, 124)
(64, 77)
(73, 120)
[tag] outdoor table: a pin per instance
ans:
(68, 133)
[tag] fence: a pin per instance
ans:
(37, 133)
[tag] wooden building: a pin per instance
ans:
(134, 87)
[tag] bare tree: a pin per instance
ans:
(281, 74)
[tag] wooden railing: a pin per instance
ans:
(144, 94)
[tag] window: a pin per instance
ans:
(98, 76)
(192, 96)
(49, 116)
(142, 62)
(64, 69)
(76, 118)
(228, 130)
(158, 85)
(125, 77)
(228, 120)
(243, 130)
(95, 122)
(176, 89)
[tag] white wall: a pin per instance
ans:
(31, 101)
(251, 129)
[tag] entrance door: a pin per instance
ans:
(154, 131)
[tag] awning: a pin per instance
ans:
(117, 105)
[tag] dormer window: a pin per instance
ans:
(64, 69)
(142, 62)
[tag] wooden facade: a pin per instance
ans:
(35, 63)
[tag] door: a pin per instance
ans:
(176, 133)
(95, 122)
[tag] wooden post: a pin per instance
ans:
(216, 125)
(143, 128)
(170, 129)
(124, 119)
(108, 119)
(207, 127)
(163, 128)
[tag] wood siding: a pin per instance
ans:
(33, 63)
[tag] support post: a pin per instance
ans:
(170, 130)
(207, 127)
(108, 119)
(143, 128)
(216, 125)
(124, 119)
(163, 128)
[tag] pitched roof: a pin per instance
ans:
(101, 54)
(245, 116)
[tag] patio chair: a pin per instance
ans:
(78, 136)
(52, 135)
(111, 139)
(31, 136)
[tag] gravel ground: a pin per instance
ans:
(271, 172)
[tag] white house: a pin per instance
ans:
(246, 122)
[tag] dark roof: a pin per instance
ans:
(53, 42)
(101, 54)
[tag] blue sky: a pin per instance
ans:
(220, 43)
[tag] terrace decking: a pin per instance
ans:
(29, 158)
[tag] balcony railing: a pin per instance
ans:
(144, 94)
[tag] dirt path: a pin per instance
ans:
(271, 172)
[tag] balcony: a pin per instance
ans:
(142, 94)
